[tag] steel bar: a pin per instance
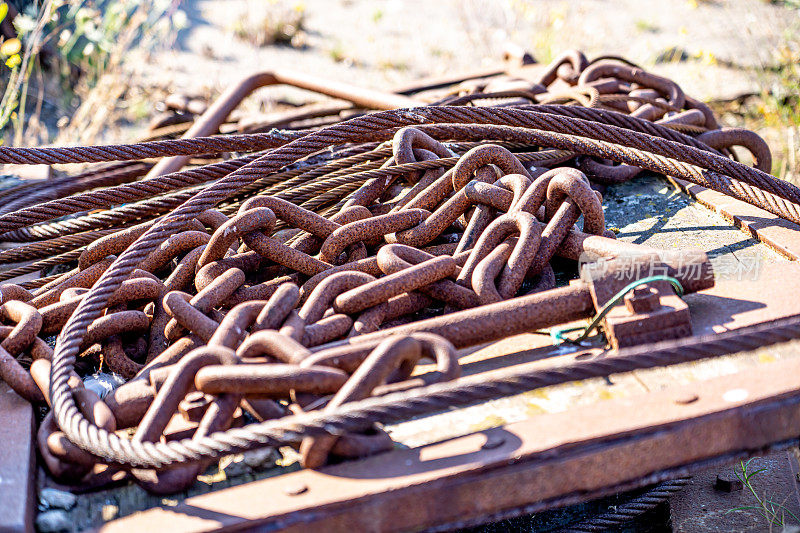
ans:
(216, 114)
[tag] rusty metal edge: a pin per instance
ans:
(443, 81)
(549, 460)
(213, 117)
(778, 234)
(17, 467)
(508, 68)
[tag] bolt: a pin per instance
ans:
(643, 299)
(728, 482)
(194, 406)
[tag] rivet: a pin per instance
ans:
(492, 442)
(687, 398)
(295, 489)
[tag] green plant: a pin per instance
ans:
(774, 109)
(777, 108)
(392, 64)
(86, 42)
(16, 88)
(788, 3)
(337, 53)
(775, 513)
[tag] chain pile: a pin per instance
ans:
(313, 269)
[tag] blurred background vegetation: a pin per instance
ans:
(774, 112)
(65, 64)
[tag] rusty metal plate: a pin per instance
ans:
(780, 234)
(732, 303)
(549, 459)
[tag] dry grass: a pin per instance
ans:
(85, 80)
(774, 112)
(272, 22)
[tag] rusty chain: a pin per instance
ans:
(302, 279)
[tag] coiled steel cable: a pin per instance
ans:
(118, 216)
(83, 178)
(123, 173)
(146, 189)
(630, 510)
(37, 250)
(147, 150)
(39, 282)
(59, 259)
(131, 192)
(549, 122)
(325, 183)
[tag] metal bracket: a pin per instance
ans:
(652, 312)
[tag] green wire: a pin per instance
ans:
(557, 334)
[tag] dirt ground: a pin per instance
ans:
(725, 45)
(719, 51)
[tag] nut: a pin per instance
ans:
(642, 299)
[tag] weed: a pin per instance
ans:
(15, 93)
(775, 513)
(774, 110)
(441, 53)
(694, 4)
(645, 26)
(392, 64)
(337, 53)
(788, 3)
